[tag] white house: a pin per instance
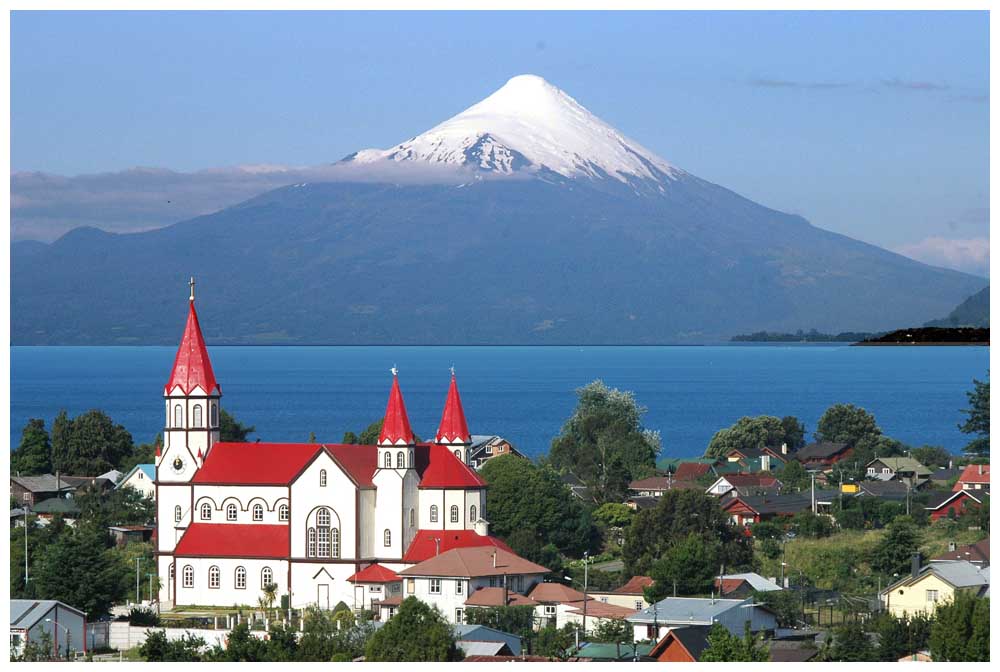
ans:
(235, 517)
(142, 477)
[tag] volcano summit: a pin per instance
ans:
(523, 219)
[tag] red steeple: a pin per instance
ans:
(192, 368)
(395, 425)
(453, 428)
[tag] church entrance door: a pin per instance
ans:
(323, 596)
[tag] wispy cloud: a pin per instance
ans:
(768, 83)
(971, 255)
(913, 85)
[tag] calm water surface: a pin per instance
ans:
(523, 393)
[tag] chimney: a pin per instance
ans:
(482, 528)
(915, 565)
(784, 449)
(494, 559)
(980, 470)
(437, 546)
(952, 546)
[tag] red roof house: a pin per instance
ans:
(973, 477)
(375, 573)
(428, 543)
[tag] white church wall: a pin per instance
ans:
(338, 495)
(389, 513)
(366, 520)
(227, 594)
(323, 584)
(168, 499)
(244, 497)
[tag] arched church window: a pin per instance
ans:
(472, 513)
(178, 416)
(215, 415)
(322, 478)
(283, 512)
(188, 576)
(411, 459)
(458, 454)
(206, 511)
(400, 460)
(413, 518)
(454, 513)
(241, 578)
(177, 514)
(171, 575)
(266, 577)
(258, 512)
(387, 537)
(213, 576)
(311, 549)
(231, 512)
(387, 461)
(197, 416)
(323, 533)
(434, 513)
(334, 542)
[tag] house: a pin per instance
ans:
(233, 517)
(499, 597)
(601, 652)
(749, 510)
(486, 446)
(823, 454)
(954, 504)
(631, 594)
(754, 460)
(935, 583)
(642, 503)
(126, 534)
(480, 640)
(655, 486)
(974, 477)
(978, 553)
(559, 604)
(744, 485)
(576, 487)
(373, 584)
(681, 645)
(692, 471)
(30, 490)
(654, 621)
(590, 614)
(890, 491)
(783, 651)
(447, 581)
(904, 469)
(744, 585)
(142, 478)
(65, 507)
(940, 477)
(65, 626)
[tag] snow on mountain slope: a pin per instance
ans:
(529, 125)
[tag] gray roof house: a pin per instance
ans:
(485, 641)
(65, 625)
(653, 621)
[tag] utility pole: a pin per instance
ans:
(812, 488)
(586, 566)
(26, 548)
(137, 600)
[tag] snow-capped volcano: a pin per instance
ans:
(529, 125)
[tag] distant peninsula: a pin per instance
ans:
(811, 336)
(932, 336)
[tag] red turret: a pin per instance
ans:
(395, 426)
(453, 428)
(192, 368)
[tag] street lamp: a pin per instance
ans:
(69, 636)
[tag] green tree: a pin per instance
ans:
(795, 432)
(725, 647)
(531, 507)
(554, 642)
(33, 455)
(89, 444)
(808, 524)
(417, 632)
(679, 513)
(747, 434)
(978, 420)
(793, 476)
(78, 567)
(613, 515)
(231, 429)
(691, 564)
(613, 631)
(241, 647)
(37, 650)
(895, 550)
(158, 649)
(931, 456)
(350, 438)
(144, 453)
(961, 629)
(517, 620)
(846, 423)
(851, 644)
(121, 506)
(898, 637)
(604, 443)
(282, 643)
(785, 604)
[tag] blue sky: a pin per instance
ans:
(872, 124)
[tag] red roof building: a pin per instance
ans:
(192, 367)
(375, 573)
(221, 540)
(428, 543)
(453, 428)
(395, 425)
(691, 471)
(973, 477)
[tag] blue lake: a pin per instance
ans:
(522, 393)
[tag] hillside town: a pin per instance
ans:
(206, 545)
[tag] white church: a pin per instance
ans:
(324, 522)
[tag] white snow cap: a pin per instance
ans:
(527, 125)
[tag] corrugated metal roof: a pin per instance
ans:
(695, 610)
(26, 613)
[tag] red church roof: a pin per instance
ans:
(192, 367)
(280, 463)
(374, 574)
(453, 428)
(423, 546)
(232, 540)
(396, 426)
(444, 470)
